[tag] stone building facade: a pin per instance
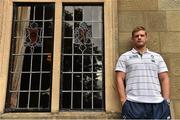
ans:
(98, 32)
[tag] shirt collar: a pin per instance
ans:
(135, 51)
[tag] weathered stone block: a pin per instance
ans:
(169, 4)
(175, 68)
(124, 42)
(175, 87)
(155, 21)
(176, 108)
(170, 42)
(153, 41)
(138, 4)
(128, 20)
(173, 18)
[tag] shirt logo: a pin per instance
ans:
(152, 59)
(133, 56)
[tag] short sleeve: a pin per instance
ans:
(121, 64)
(162, 67)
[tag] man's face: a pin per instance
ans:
(139, 39)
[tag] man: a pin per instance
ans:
(142, 81)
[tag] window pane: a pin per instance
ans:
(87, 81)
(77, 81)
(76, 100)
(87, 97)
(88, 13)
(36, 63)
(66, 100)
(68, 29)
(97, 30)
(68, 13)
(47, 45)
(45, 100)
(67, 46)
(25, 79)
(77, 63)
(30, 72)
(49, 12)
(67, 65)
(46, 81)
(35, 81)
(97, 63)
(34, 96)
(97, 46)
(23, 100)
(67, 81)
(97, 100)
(87, 63)
(97, 13)
(78, 13)
(97, 81)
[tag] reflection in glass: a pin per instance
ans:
(67, 46)
(49, 28)
(45, 100)
(36, 63)
(66, 100)
(97, 30)
(97, 80)
(35, 81)
(23, 100)
(68, 13)
(26, 63)
(76, 100)
(78, 14)
(87, 100)
(97, 13)
(97, 100)
(97, 46)
(87, 63)
(87, 13)
(49, 12)
(25, 81)
(67, 65)
(77, 82)
(87, 81)
(48, 45)
(97, 63)
(39, 15)
(77, 63)
(34, 97)
(46, 81)
(68, 29)
(66, 81)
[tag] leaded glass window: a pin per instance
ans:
(82, 58)
(30, 69)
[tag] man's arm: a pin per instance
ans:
(165, 85)
(120, 76)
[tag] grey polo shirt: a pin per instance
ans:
(142, 83)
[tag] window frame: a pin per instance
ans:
(110, 53)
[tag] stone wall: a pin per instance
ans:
(161, 18)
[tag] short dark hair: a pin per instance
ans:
(138, 28)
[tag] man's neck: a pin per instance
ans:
(141, 50)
